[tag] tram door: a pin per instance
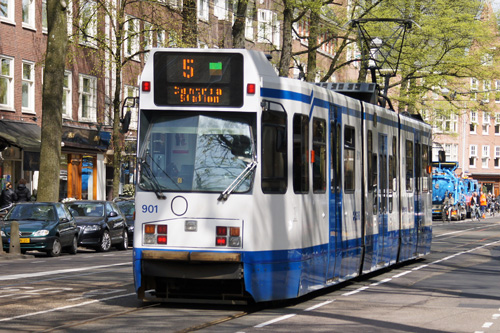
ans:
(418, 195)
(334, 201)
(383, 198)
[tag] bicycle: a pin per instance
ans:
(476, 213)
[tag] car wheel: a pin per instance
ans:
(105, 244)
(124, 243)
(73, 249)
(56, 248)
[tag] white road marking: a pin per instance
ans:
(276, 320)
(62, 271)
(318, 305)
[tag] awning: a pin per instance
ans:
(22, 135)
(85, 139)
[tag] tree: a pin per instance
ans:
(189, 24)
(119, 49)
(55, 60)
(448, 43)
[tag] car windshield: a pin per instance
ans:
(198, 153)
(32, 212)
(127, 207)
(86, 209)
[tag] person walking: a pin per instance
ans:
(483, 202)
(8, 195)
(22, 192)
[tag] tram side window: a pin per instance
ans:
(425, 164)
(372, 171)
(300, 153)
(349, 156)
(392, 173)
(319, 148)
(274, 152)
(418, 166)
(409, 165)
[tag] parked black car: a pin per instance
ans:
(127, 206)
(43, 226)
(101, 224)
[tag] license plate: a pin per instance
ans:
(24, 240)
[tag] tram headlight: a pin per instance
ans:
(149, 239)
(234, 241)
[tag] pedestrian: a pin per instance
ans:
(8, 195)
(22, 192)
(483, 202)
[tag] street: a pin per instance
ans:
(454, 289)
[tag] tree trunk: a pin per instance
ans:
(117, 135)
(312, 46)
(239, 25)
(55, 60)
(189, 24)
(286, 51)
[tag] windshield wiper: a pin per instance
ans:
(152, 179)
(243, 175)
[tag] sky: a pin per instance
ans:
(496, 4)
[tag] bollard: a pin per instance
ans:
(15, 246)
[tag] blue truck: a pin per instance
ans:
(445, 181)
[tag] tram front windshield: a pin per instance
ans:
(195, 152)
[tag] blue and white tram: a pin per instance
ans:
(257, 187)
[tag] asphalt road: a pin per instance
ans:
(455, 289)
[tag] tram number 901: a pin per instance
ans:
(150, 209)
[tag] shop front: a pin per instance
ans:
(83, 169)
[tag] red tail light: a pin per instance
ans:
(221, 231)
(220, 241)
(161, 240)
(162, 229)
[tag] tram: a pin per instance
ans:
(254, 187)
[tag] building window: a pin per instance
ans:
(485, 163)
(473, 128)
(7, 83)
(7, 10)
(88, 98)
(485, 95)
(131, 37)
(28, 87)
(203, 10)
(450, 124)
(44, 16)
(472, 155)
(67, 103)
(451, 151)
(29, 13)
(220, 9)
(486, 151)
(497, 157)
(264, 31)
(88, 23)
(248, 28)
(160, 39)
